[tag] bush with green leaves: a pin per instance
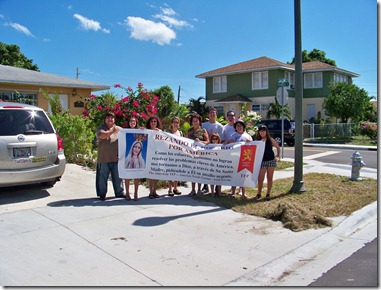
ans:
(77, 135)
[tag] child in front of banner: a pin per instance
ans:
(268, 162)
(240, 135)
(174, 128)
(215, 139)
(199, 134)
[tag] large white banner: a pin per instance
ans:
(164, 156)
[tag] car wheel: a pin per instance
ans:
(291, 143)
(49, 183)
(278, 139)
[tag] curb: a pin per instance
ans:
(341, 146)
(278, 269)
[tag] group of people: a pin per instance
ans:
(205, 132)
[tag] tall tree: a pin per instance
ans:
(11, 55)
(196, 105)
(314, 55)
(347, 102)
(166, 103)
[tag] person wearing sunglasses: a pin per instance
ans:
(228, 129)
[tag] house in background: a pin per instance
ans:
(254, 83)
(27, 86)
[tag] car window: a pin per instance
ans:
(14, 122)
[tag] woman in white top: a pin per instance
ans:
(174, 129)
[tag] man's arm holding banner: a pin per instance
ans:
(170, 157)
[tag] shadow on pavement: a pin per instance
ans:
(16, 194)
(158, 220)
(113, 201)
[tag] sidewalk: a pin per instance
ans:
(71, 238)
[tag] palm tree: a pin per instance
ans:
(275, 109)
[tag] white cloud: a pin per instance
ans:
(167, 17)
(20, 28)
(89, 24)
(143, 29)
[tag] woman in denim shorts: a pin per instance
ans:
(269, 160)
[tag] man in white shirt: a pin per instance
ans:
(228, 129)
(212, 126)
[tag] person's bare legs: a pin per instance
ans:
(261, 177)
(127, 186)
(136, 188)
(270, 176)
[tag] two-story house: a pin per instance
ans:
(28, 86)
(254, 83)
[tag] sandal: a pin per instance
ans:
(170, 193)
(175, 191)
(192, 193)
(128, 197)
(267, 196)
(136, 198)
(155, 195)
(258, 196)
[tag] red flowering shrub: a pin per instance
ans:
(370, 130)
(140, 103)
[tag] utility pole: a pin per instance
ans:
(77, 73)
(178, 96)
(298, 185)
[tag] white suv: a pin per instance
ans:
(30, 149)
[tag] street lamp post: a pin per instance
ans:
(298, 184)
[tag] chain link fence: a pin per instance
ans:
(331, 131)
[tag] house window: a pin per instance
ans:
(290, 77)
(220, 110)
(260, 80)
(313, 80)
(337, 78)
(219, 84)
(259, 107)
(19, 97)
(64, 100)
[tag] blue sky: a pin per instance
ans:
(170, 42)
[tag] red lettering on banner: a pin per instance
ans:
(247, 158)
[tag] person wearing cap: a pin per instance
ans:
(240, 135)
(268, 161)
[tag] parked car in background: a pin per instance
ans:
(275, 129)
(30, 149)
